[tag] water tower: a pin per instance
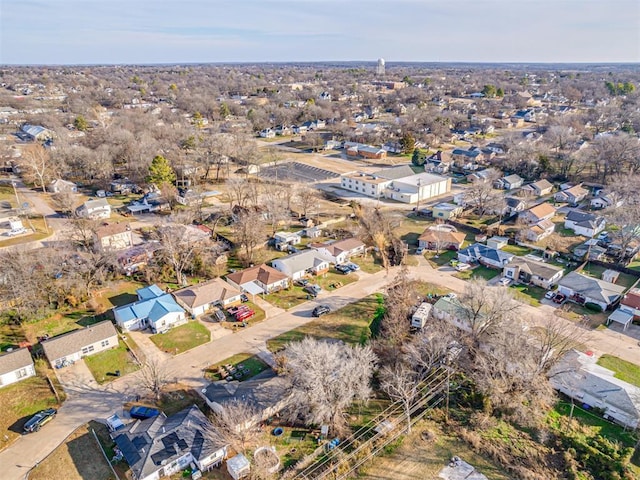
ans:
(380, 67)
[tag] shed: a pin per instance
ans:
(238, 466)
(497, 242)
(610, 276)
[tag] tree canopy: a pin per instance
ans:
(161, 172)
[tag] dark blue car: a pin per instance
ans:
(141, 412)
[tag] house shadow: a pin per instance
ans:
(122, 299)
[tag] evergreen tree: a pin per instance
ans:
(81, 123)
(417, 158)
(408, 143)
(160, 172)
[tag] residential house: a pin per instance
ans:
(150, 202)
(631, 303)
(606, 201)
(300, 264)
(543, 211)
(359, 150)
(539, 231)
(533, 272)
(112, 236)
(462, 157)
(202, 297)
(509, 182)
(539, 188)
(299, 129)
(15, 366)
(154, 308)
(514, 206)
(441, 237)
(36, 133)
(497, 148)
(451, 310)
(59, 186)
(259, 279)
(583, 223)
(589, 250)
(162, 446)
(267, 133)
(482, 175)
(266, 392)
(339, 251)
(284, 239)
(95, 209)
(497, 242)
(282, 130)
(485, 255)
(583, 289)
(446, 211)
(572, 195)
(440, 162)
(135, 258)
(70, 347)
(578, 376)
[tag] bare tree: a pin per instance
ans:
(239, 194)
(378, 228)
(65, 202)
(400, 382)
(482, 196)
(154, 377)
(325, 378)
(178, 248)
(248, 232)
(307, 199)
(235, 424)
(37, 166)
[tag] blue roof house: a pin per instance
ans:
(484, 255)
(154, 309)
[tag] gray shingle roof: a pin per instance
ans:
(15, 360)
(593, 288)
(540, 269)
(150, 444)
(72, 342)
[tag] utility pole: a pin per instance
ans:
(419, 191)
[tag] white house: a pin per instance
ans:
(71, 347)
(300, 264)
(154, 308)
(112, 237)
(267, 133)
(339, 251)
(578, 376)
(95, 209)
(59, 185)
(16, 366)
(259, 279)
(583, 289)
(163, 446)
(452, 311)
(524, 270)
(485, 255)
(583, 223)
(201, 298)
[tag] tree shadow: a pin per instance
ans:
(122, 299)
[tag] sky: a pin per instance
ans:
(203, 31)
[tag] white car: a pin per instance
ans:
(504, 281)
(18, 231)
(462, 266)
(549, 295)
(420, 251)
(450, 295)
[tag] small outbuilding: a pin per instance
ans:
(238, 466)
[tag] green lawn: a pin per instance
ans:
(369, 264)
(182, 338)
(103, 365)
(517, 250)
(529, 294)
(626, 371)
(480, 271)
(597, 270)
(443, 259)
(333, 277)
(349, 324)
(287, 298)
(247, 360)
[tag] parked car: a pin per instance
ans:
(343, 269)
(219, 315)
(559, 298)
(549, 295)
(302, 282)
(39, 419)
(454, 262)
(603, 236)
(504, 281)
(313, 290)
(140, 412)
(244, 298)
(462, 266)
(353, 266)
(244, 315)
(321, 310)
(450, 295)
(419, 250)
(17, 231)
